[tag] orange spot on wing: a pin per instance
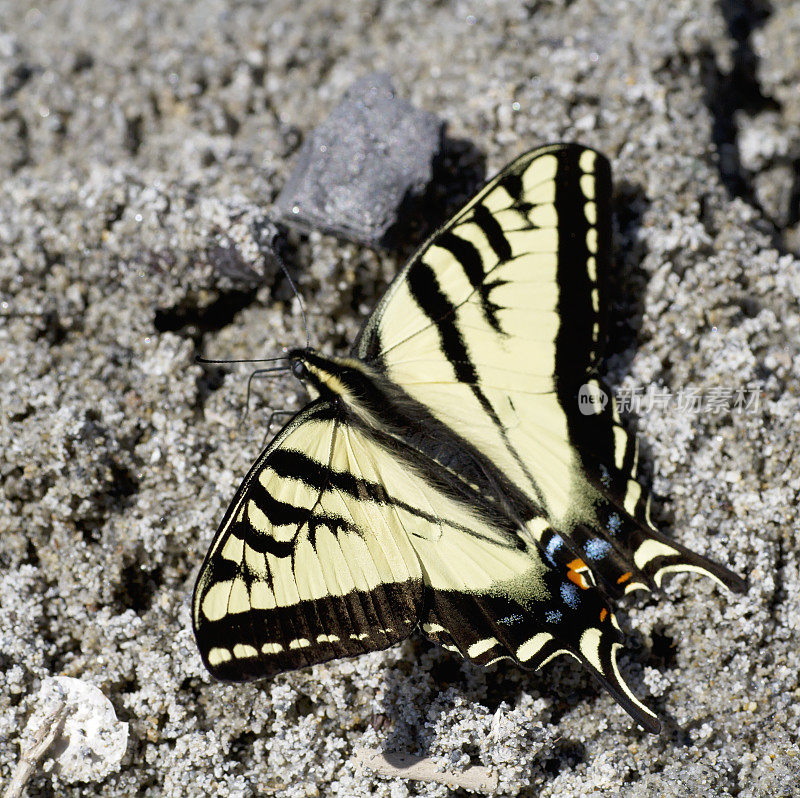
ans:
(577, 579)
(603, 614)
(573, 569)
(624, 578)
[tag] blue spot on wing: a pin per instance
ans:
(570, 595)
(597, 549)
(553, 545)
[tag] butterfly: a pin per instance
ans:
(464, 471)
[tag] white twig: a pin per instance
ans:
(405, 766)
(30, 756)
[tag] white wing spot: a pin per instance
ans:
(300, 642)
(649, 550)
(632, 496)
(242, 651)
(497, 659)
(558, 654)
(216, 656)
(590, 647)
(587, 160)
(587, 186)
(620, 446)
(681, 568)
(432, 628)
(591, 268)
(647, 512)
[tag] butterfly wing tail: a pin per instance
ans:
(614, 532)
(490, 628)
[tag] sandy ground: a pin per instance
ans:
(141, 142)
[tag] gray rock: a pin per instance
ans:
(354, 171)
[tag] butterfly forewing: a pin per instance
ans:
(496, 321)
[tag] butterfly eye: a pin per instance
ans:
(299, 369)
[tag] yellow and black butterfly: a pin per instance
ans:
(445, 475)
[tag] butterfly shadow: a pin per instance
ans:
(459, 170)
(421, 716)
(627, 286)
(627, 281)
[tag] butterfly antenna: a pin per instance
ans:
(199, 359)
(299, 299)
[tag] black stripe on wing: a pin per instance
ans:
(442, 314)
(287, 638)
(578, 345)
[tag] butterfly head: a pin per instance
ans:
(321, 376)
(299, 369)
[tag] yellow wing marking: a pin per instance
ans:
(530, 648)
(590, 647)
(217, 655)
(649, 550)
(482, 646)
(623, 686)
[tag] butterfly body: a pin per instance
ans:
(444, 476)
